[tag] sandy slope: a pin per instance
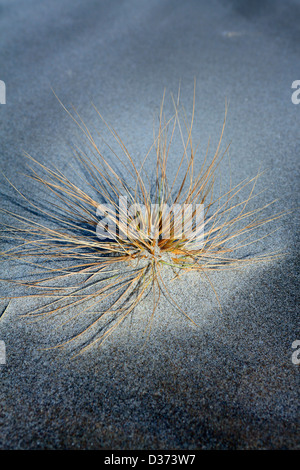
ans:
(231, 382)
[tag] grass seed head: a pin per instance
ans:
(108, 266)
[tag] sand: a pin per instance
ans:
(229, 383)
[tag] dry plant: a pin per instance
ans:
(103, 278)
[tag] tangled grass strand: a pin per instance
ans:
(112, 275)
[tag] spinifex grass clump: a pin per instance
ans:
(103, 246)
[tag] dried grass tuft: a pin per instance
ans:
(105, 279)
